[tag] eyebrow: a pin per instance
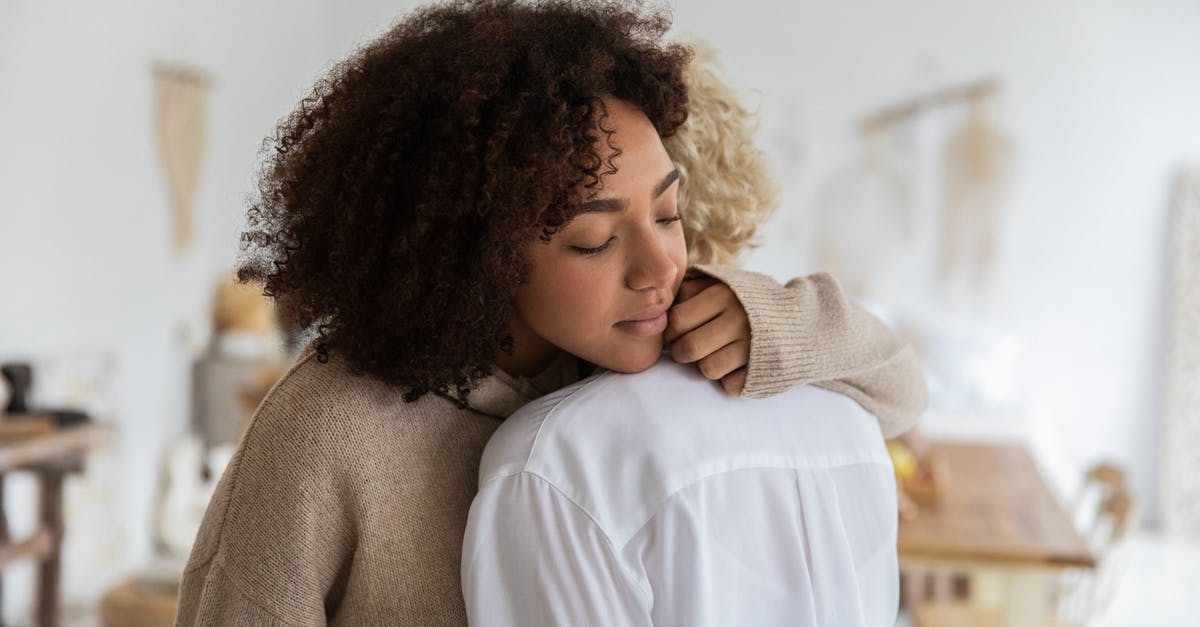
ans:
(608, 205)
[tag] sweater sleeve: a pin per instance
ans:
(808, 331)
(210, 596)
(277, 538)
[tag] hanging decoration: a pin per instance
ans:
(977, 173)
(180, 95)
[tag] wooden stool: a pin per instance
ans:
(138, 604)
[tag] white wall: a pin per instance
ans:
(1103, 101)
(85, 263)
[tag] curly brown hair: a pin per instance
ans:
(395, 200)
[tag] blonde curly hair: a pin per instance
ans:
(726, 189)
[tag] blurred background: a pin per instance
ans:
(1014, 186)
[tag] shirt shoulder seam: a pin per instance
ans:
(638, 581)
(523, 466)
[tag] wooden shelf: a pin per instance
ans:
(63, 443)
(50, 456)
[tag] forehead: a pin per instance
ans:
(634, 148)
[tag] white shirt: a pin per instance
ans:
(657, 499)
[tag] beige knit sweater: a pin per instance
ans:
(344, 505)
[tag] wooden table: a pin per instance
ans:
(50, 458)
(999, 523)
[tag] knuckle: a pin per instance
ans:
(674, 320)
(685, 348)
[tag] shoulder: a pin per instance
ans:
(325, 411)
(325, 447)
(296, 444)
(316, 437)
(619, 445)
(509, 449)
(323, 392)
(324, 424)
(542, 426)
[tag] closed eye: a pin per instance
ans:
(583, 250)
(592, 251)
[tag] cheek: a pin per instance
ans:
(679, 246)
(566, 298)
(679, 254)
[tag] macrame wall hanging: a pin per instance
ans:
(977, 172)
(1181, 433)
(180, 95)
(913, 229)
(872, 210)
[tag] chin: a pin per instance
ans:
(631, 360)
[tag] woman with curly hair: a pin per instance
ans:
(408, 214)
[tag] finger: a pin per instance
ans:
(691, 287)
(710, 337)
(687, 289)
(735, 382)
(725, 360)
(699, 309)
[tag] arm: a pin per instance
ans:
(532, 557)
(275, 536)
(808, 331)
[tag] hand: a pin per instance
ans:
(707, 324)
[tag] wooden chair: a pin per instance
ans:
(1104, 511)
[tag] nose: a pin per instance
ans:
(649, 264)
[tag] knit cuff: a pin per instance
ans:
(788, 346)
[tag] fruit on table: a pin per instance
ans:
(903, 459)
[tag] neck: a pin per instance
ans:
(531, 354)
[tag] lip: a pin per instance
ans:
(645, 323)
